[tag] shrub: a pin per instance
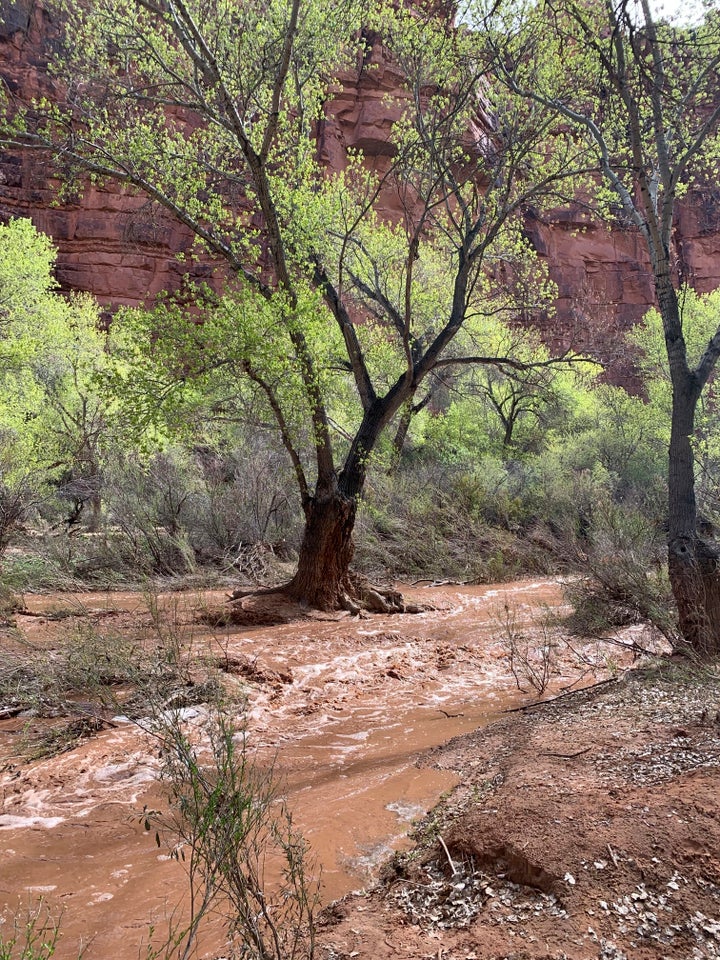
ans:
(623, 579)
(226, 823)
(444, 521)
(31, 933)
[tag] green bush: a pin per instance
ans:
(623, 577)
(31, 933)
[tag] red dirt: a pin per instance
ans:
(583, 828)
(580, 828)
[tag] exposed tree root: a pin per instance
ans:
(359, 594)
(256, 608)
(273, 605)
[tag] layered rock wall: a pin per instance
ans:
(602, 271)
(124, 250)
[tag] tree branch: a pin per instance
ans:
(479, 360)
(280, 78)
(358, 366)
(705, 367)
(285, 434)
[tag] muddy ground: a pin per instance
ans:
(581, 827)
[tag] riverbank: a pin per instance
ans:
(586, 827)
(366, 722)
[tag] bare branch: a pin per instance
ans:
(363, 382)
(280, 78)
(566, 359)
(285, 433)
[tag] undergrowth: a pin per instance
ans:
(31, 932)
(227, 824)
(623, 577)
(71, 691)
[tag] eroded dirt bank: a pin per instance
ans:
(583, 828)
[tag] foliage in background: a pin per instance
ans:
(504, 471)
(699, 319)
(338, 314)
(499, 471)
(651, 124)
(53, 416)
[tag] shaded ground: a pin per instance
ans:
(583, 828)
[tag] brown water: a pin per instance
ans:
(367, 698)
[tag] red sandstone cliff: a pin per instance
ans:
(123, 249)
(110, 241)
(601, 270)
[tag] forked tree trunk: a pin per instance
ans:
(326, 552)
(323, 578)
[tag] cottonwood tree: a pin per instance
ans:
(211, 110)
(644, 95)
(523, 404)
(52, 417)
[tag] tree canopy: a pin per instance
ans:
(643, 94)
(211, 111)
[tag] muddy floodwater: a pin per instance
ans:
(360, 702)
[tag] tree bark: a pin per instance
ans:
(693, 566)
(326, 552)
(400, 436)
(323, 578)
(693, 563)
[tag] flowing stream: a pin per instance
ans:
(360, 702)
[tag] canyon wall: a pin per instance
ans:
(111, 242)
(602, 272)
(124, 250)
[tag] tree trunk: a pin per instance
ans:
(323, 578)
(327, 548)
(400, 436)
(693, 563)
(695, 582)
